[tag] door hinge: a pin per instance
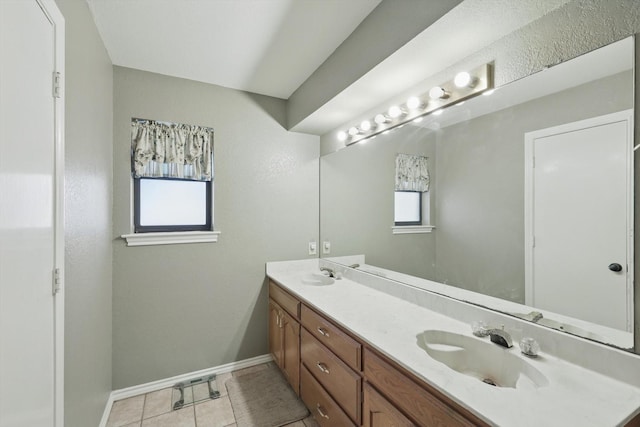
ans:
(57, 84)
(56, 281)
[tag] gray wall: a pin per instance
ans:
(356, 203)
(181, 308)
(88, 225)
(388, 27)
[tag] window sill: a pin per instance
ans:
(171, 238)
(412, 229)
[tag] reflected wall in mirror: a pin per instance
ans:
(487, 202)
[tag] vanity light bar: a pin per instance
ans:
(463, 86)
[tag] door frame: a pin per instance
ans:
(529, 138)
(53, 14)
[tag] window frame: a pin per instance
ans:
(420, 209)
(140, 229)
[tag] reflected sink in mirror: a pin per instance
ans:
(484, 360)
(317, 279)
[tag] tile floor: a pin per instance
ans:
(154, 409)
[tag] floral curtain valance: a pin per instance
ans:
(171, 150)
(412, 173)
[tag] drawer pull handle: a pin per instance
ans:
(323, 332)
(321, 411)
(322, 367)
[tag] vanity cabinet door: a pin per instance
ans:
(284, 343)
(378, 412)
(275, 336)
(290, 362)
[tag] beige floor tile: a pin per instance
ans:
(215, 413)
(182, 418)
(157, 403)
(200, 392)
(134, 424)
(221, 381)
(296, 424)
(250, 369)
(310, 422)
(232, 425)
(126, 411)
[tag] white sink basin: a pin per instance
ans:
(317, 279)
(481, 359)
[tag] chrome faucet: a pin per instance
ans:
(501, 337)
(535, 316)
(328, 270)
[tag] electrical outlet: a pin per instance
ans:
(313, 248)
(326, 247)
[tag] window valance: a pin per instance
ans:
(412, 173)
(171, 150)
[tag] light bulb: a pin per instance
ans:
(365, 125)
(395, 112)
(437, 93)
(413, 103)
(462, 79)
(353, 131)
(342, 136)
(380, 119)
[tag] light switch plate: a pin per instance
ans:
(326, 247)
(313, 248)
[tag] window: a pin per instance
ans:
(172, 205)
(408, 208)
(172, 172)
(411, 196)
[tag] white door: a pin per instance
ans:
(30, 215)
(579, 229)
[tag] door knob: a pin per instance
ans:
(615, 267)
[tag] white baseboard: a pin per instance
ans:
(168, 382)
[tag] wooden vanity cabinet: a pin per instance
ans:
(284, 335)
(378, 412)
(425, 405)
(338, 379)
(344, 385)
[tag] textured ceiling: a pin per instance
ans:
(268, 47)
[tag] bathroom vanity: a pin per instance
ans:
(366, 351)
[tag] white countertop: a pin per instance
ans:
(575, 396)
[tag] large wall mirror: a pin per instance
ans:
(529, 209)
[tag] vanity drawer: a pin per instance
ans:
(324, 409)
(414, 400)
(335, 376)
(286, 301)
(348, 349)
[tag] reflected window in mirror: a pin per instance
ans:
(408, 208)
